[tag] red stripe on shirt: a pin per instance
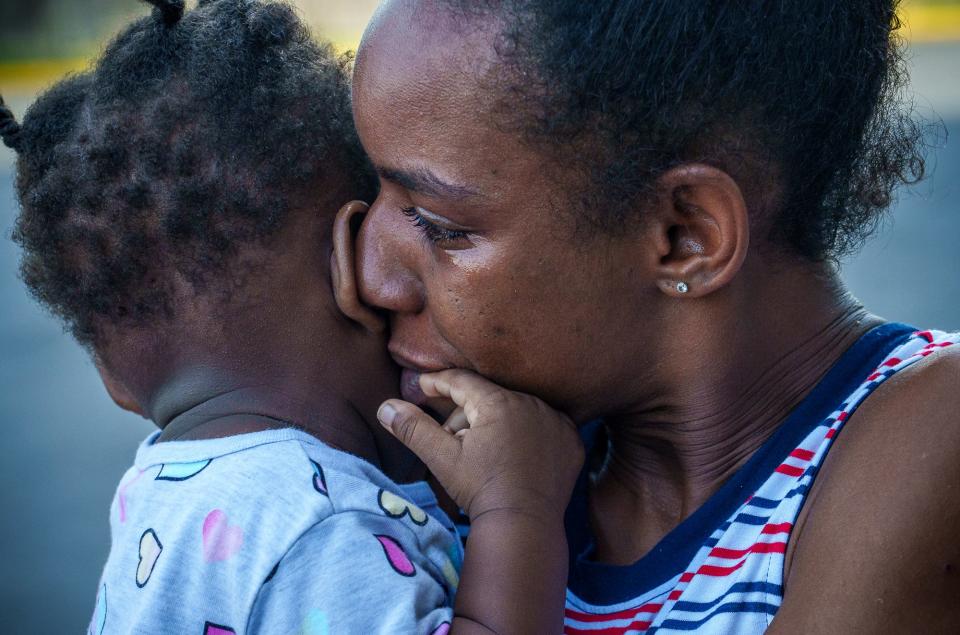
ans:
(718, 572)
(760, 547)
(782, 528)
(613, 630)
(790, 470)
(619, 615)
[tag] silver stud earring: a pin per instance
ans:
(682, 287)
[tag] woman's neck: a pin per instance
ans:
(664, 462)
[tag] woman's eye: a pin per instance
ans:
(433, 232)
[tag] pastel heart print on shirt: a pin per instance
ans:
(450, 574)
(315, 623)
(99, 613)
(221, 541)
(150, 550)
(181, 471)
(443, 629)
(209, 628)
(452, 565)
(396, 556)
(396, 507)
(319, 480)
(456, 555)
(122, 495)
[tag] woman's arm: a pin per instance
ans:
(878, 545)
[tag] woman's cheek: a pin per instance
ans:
(488, 336)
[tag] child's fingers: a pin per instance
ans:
(465, 388)
(420, 432)
(457, 384)
(456, 422)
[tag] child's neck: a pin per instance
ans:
(205, 403)
(232, 411)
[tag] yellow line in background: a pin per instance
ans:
(931, 23)
(33, 73)
(923, 23)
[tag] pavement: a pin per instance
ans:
(65, 446)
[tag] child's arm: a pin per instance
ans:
(512, 469)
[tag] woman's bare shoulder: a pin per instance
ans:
(877, 546)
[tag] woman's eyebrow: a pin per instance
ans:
(423, 181)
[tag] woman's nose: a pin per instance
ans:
(386, 263)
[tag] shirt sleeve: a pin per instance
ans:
(354, 572)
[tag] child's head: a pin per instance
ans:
(178, 198)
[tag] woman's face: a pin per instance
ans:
(469, 247)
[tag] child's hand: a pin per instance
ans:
(500, 450)
(510, 461)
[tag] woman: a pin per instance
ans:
(632, 209)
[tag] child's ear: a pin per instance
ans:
(118, 392)
(343, 268)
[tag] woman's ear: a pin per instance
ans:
(702, 230)
(343, 268)
(118, 391)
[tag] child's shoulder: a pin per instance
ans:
(229, 523)
(283, 475)
(274, 487)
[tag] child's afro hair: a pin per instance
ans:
(192, 138)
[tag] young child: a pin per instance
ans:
(175, 215)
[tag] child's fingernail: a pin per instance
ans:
(386, 415)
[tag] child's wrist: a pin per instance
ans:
(518, 503)
(532, 514)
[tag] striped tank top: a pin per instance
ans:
(721, 570)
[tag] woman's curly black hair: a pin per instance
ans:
(803, 103)
(194, 137)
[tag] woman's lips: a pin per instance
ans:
(410, 381)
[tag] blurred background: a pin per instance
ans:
(65, 445)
